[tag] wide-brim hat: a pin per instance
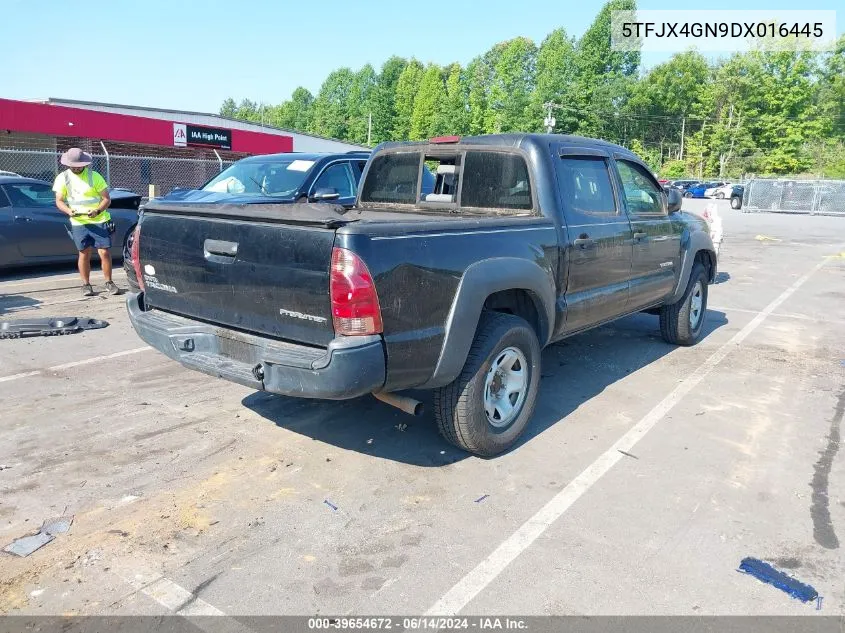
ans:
(75, 157)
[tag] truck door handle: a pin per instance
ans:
(220, 247)
(639, 236)
(584, 243)
(22, 218)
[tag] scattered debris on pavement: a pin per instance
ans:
(766, 573)
(481, 498)
(627, 454)
(7, 467)
(59, 525)
(26, 545)
(330, 504)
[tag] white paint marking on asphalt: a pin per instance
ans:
(779, 315)
(25, 374)
(489, 569)
(118, 273)
(178, 599)
(77, 363)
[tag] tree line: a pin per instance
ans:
(764, 111)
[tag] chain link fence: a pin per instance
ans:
(815, 197)
(135, 173)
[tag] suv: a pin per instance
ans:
(525, 240)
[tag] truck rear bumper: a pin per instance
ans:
(349, 368)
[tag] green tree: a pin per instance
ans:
(556, 72)
(478, 81)
(407, 87)
(247, 110)
(331, 117)
(427, 103)
(359, 104)
(508, 107)
(453, 114)
(603, 77)
(832, 90)
(296, 113)
(229, 108)
(667, 95)
(384, 99)
(673, 169)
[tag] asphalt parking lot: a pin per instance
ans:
(648, 473)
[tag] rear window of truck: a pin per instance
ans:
(475, 180)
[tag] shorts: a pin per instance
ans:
(88, 235)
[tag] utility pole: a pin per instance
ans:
(549, 121)
(369, 129)
(683, 129)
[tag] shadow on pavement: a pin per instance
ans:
(573, 371)
(9, 304)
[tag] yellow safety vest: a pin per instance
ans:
(81, 196)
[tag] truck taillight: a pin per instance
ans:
(136, 256)
(355, 308)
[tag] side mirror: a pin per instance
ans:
(324, 194)
(673, 200)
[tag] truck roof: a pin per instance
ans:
(524, 140)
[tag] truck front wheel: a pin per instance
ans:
(489, 404)
(681, 323)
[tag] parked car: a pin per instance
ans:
(9, 173)
(720, 192)
(33, 231)
(699, 190)
(684, 184)
(273, 179)
(737, 192)
(524, 241)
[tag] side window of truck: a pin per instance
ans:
(642, 196)
(496, 180)
(586, 187)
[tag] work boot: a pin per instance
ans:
(112, 288)
(87, 290)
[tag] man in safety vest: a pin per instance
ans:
(83, 194)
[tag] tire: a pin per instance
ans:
(720, 196)
(680, 323)
(687, 194)
(459, 407)
(736, 203)
(127, 242)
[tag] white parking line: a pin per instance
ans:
(779, 315)
(77, 363)
(178, 599)
(118, 274)
(489, 569)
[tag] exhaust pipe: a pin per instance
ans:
(408, 405)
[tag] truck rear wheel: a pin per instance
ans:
(489, 404)
(681, 323)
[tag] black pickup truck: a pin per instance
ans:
(526, 239)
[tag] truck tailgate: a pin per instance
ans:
(250, 271)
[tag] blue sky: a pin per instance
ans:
(192, 55)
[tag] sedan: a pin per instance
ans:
(33, 231)
(720, 192)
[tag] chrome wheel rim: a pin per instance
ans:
(696, 305)
(505, 387)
